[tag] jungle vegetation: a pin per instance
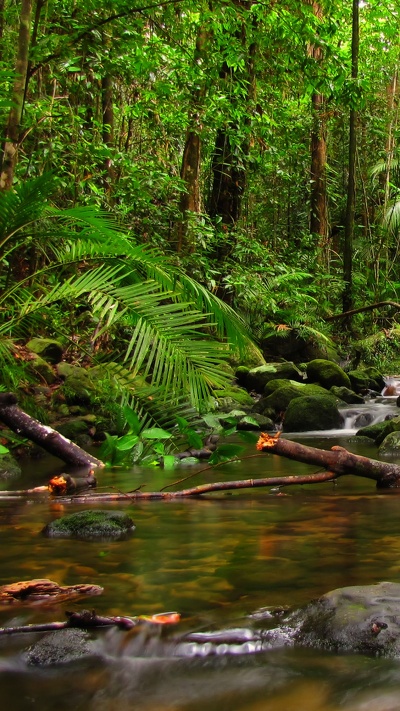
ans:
(181, 178)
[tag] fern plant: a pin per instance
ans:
(170, 333)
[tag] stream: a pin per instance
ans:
(224, 563)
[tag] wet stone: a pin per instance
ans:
(91, 525)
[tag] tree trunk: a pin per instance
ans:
(318, 198)
(351, 184)
(14, 119)
(190, 201)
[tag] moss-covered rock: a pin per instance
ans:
(47, 348)
(359, 619)
(317, 412)
(390, 446)
(327, 374)
(257, 378)
(238, 394)
(77, 390)
(276, 384)
(360, 381)
(72, 429)
(376, 380)
(371, 431)
(347, 395)
(41, 367)
(279, 400)
(392, 425)
(255, 421)
(91, 525)
(66, 370)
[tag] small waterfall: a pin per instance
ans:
(357, 416)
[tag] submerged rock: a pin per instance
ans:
(91, 525)
(360, 619)
(61, 647)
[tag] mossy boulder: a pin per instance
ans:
(359, 619)
(74, 428)
(310, 413)
(66, 370)
(9, 467)
(392, 425)
(41, 367)
(372, 431)
(239, 395)
(255, 421)
(279, 400)
(257, 378)
(91, 525)
(78, 390)
(327, 374)
(276, 384)
(376, 381)
(346, 395)
(390, 446)
(360, 381)
(47, 348)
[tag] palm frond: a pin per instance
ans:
(24, 205)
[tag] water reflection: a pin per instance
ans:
(220, 562)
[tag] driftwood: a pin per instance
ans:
(51, 440)
(337, 461)
(43, 590)
(89, 620)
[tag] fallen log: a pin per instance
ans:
(51, 440)
(43, 591)
(337, 461)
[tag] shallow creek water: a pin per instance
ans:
(223, 563)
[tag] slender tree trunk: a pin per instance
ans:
(229, 160)
(351, 184)
(2, 8)
(107, 99)
(14, 119)
(318, 197)
(190, 201)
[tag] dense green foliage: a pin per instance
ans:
(175, 170)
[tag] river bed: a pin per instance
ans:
(222, 562)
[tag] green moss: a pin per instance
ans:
(91, 525)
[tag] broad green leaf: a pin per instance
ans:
(126, 442)
(169, 461)
(132, 419)
(3, 450)
(155, 433)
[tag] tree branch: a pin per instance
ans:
(371, 307)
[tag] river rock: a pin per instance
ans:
(360, 619)
(47, 348)
(257, 378)
(61, 647)
(390, 446)
(371, 431)
(347, 395)
(240, 396)
(316, 412)
(327, 374)
(91, 525)
(392, 425)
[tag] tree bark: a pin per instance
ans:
(351, 184)
(338, 461)
(14, 119)
(190, 200)
(51, 440)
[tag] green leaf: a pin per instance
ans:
(132, 419)
(3, 450)
(194, 439)
(158, 447)
(127, 442)
(156, 433)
